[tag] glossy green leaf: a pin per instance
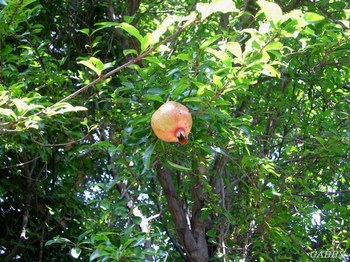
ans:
(85, 31)
(127, 52)
(58, 240)
(148, 156)
(311, 17)
(98, 253)
(178, 167)
(137, 220)
(276, 45)
(132, 31)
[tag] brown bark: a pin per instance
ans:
(28, 173)
(192, 237)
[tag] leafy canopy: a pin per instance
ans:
(265, 175)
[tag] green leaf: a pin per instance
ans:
(271, 10)
(220, 151)
(311, 17)
(152, 38)
(132, 31)
(224, 6)
(32, 122)
(221, 55)
(146, 158)
(137, 220)
(105, 204)
(85, 31)
(62, 108)
(179, 167)
(98, 63)
(98, 253)
(209, 41)
(23, 107)
(84, 234)
(4, 98)
(274, 192)
(75, 252)
(103, 25)
(90, 65)
(154, 98)
(58, 240)
(94, 64)
(113, 183)
(211, 233)
(193, 99)
(127, 52)
(7, 112)
(155, 61)
(269, 70)
(276, 45)
(235, 49)
(147, 41)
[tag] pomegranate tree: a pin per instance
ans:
(172, 122)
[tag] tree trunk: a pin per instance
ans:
(192, 237)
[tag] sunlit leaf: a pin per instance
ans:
(224, 6)
(271, 10)
(7, 112)
(269, 70)
(132, 31)
(62, 108)
(3, 97)
(23, 107)
(221, 55)
(235, 49)
(148, 40)
(276, 45)
(75, 252)
(311, 17)
(85, 31)
(98, 63)
(90, 65)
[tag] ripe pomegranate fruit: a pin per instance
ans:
(172, 122)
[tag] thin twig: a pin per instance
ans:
(61, 144)
(21, 164)
(131, 62)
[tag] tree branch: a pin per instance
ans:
(131, 62)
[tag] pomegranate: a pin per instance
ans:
(172, 122)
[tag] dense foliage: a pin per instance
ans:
(265, 175)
